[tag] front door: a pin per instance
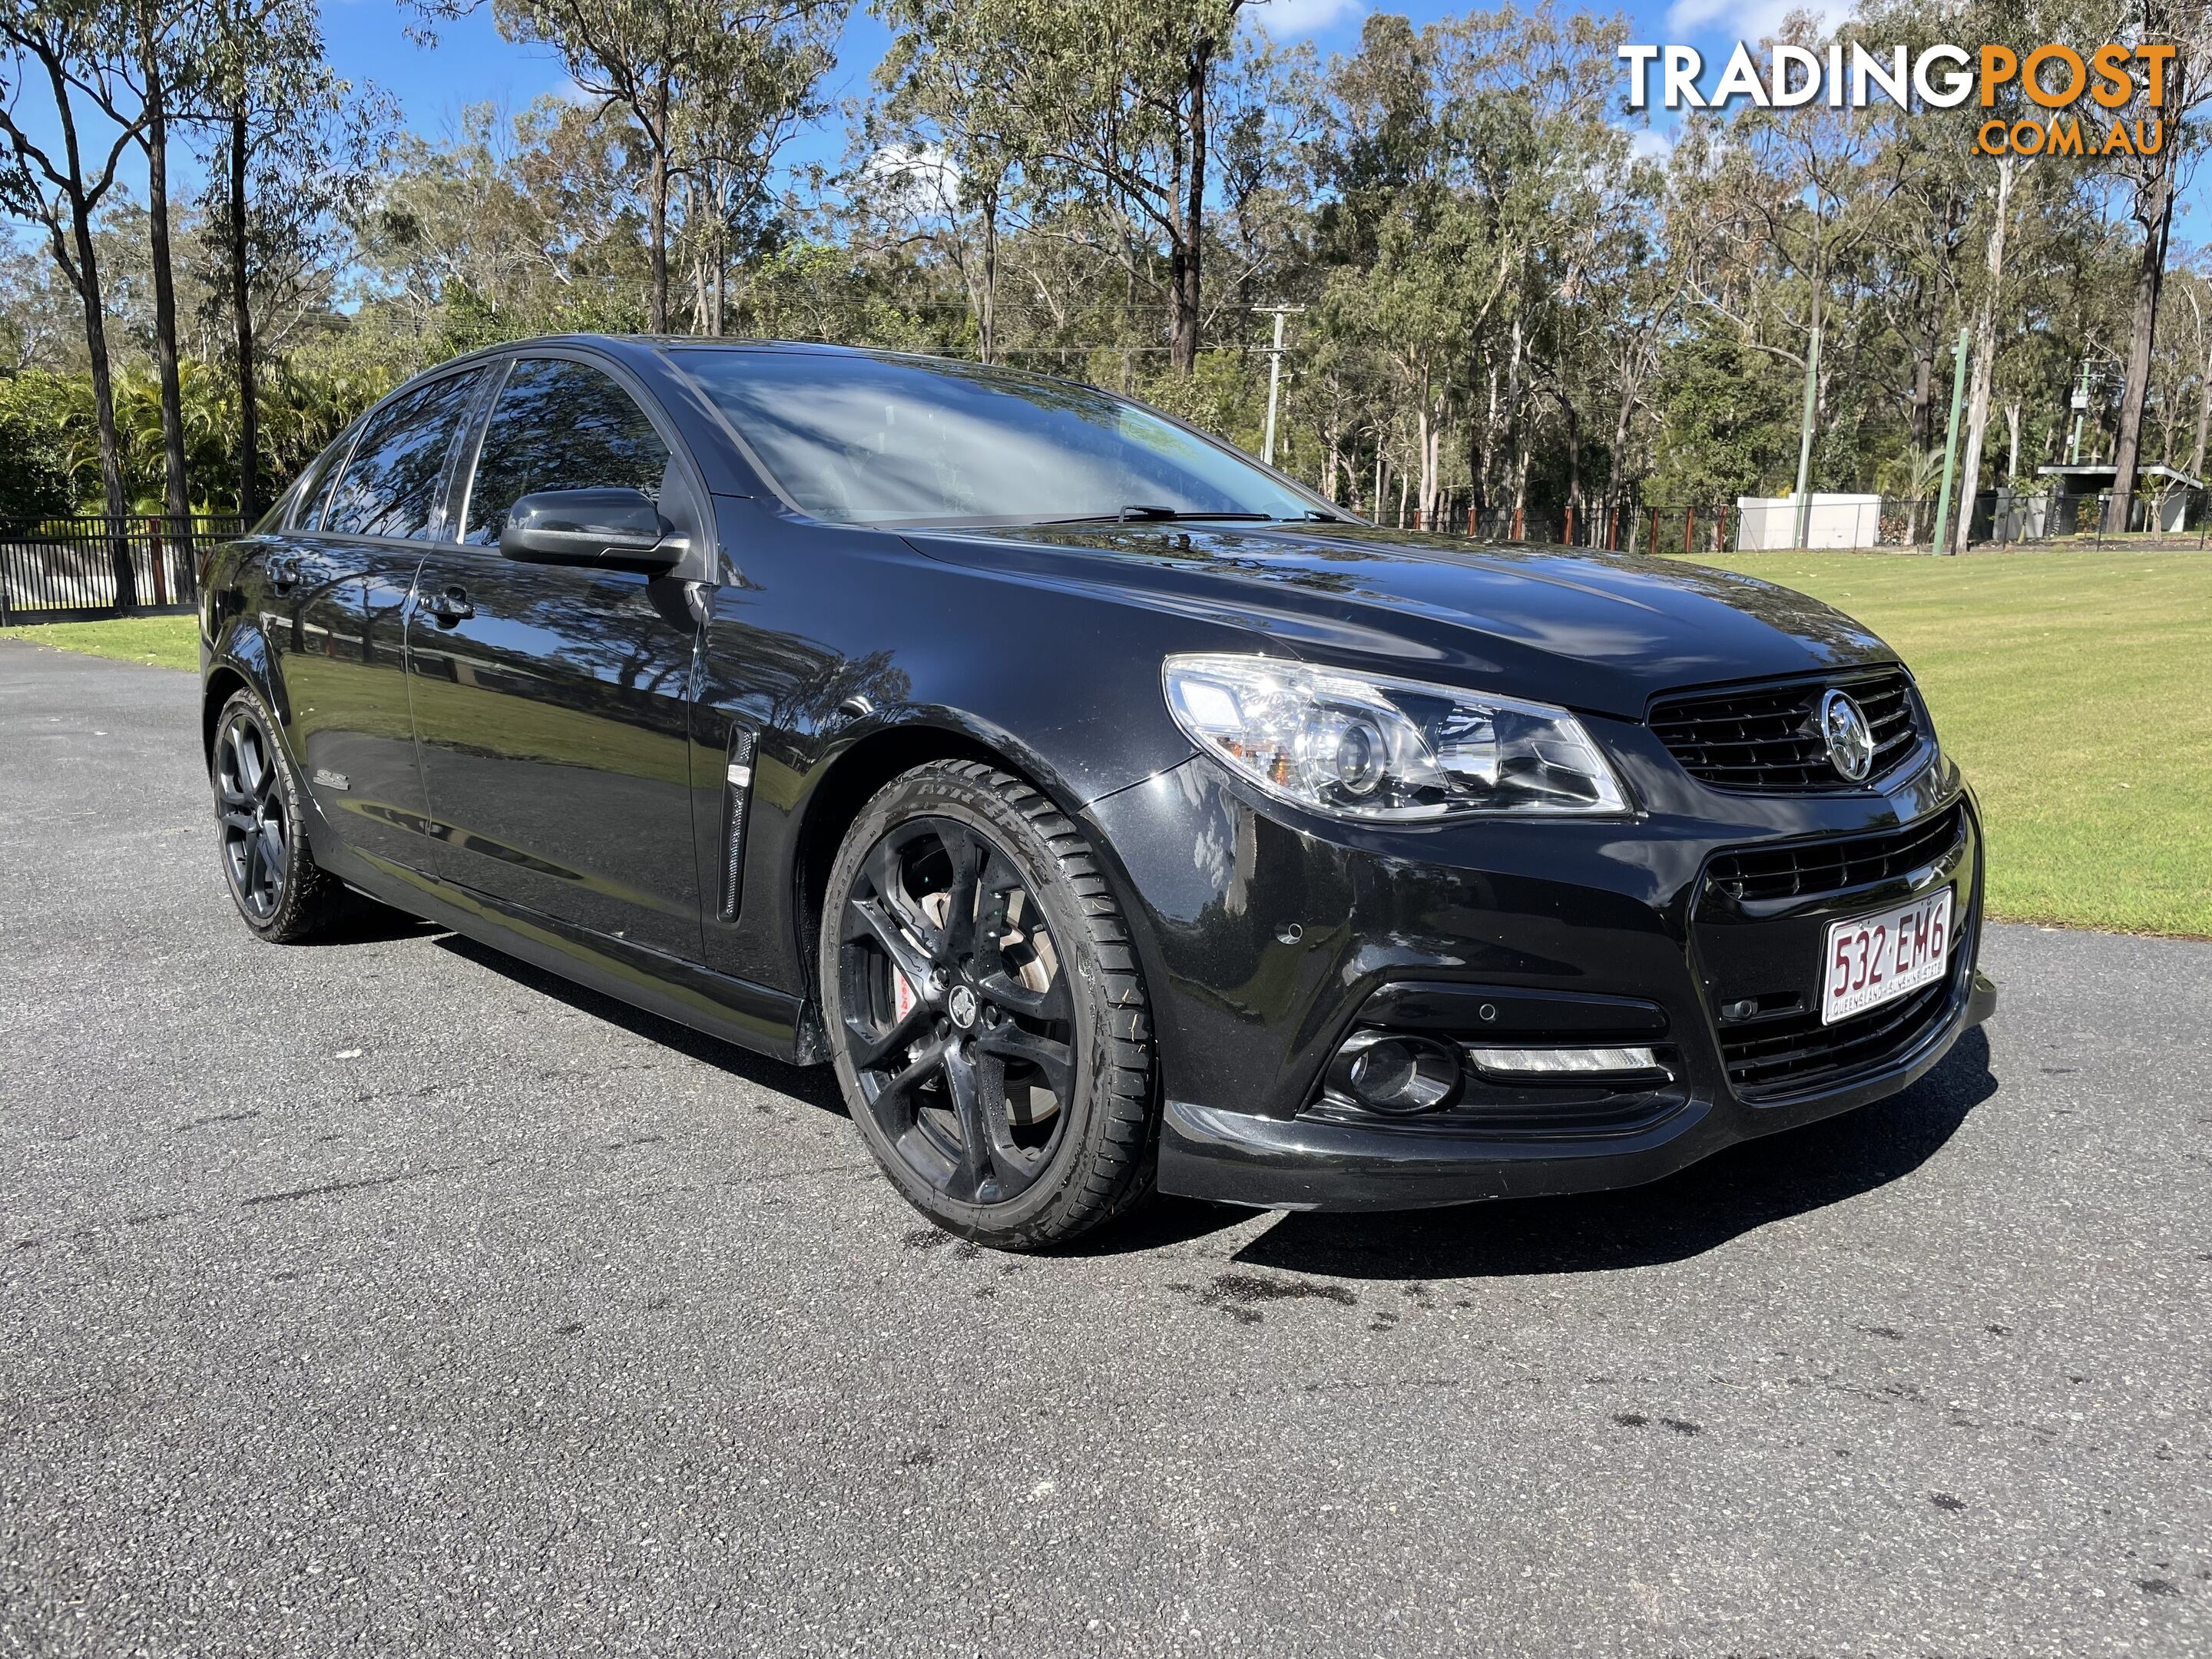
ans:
(551, 703)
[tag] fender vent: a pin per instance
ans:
(736, 789)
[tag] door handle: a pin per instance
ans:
(449, 607)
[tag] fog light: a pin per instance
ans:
(1592, 1063)
(1398, 1075)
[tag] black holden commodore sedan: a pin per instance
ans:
(1112, 813)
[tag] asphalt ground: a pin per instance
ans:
(387, 1296)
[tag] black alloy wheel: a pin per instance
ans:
(280, 891)
(257, 840)
(995, 1055)
(956, 1004)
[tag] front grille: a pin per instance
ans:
(1798, 1053)
(1810, 868)
(1765, 739)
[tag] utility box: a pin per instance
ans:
(1766, 523)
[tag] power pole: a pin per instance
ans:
(1274, 372)
(1804, 532)
(1951, 443)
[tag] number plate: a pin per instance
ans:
(1871, 960)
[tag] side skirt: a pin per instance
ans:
(736, 1010)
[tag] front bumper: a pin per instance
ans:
(1266, 941)
(1306, 1163)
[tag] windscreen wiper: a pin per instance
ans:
(1147, 513)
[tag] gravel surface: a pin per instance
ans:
(388, 1297)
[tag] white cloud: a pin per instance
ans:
(1287, 19)
(1649, 144)
(1746, 19)
(919, 180)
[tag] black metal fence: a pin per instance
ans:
(67, 569)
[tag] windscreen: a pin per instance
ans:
(865, 440)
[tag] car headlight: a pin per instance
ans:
(1360, 746)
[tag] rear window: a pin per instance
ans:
(322, 483)
(390, 487)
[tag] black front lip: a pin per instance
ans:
(1305, 1164)
(1264, 940)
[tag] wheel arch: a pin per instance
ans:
(224, 682)
(852, 777)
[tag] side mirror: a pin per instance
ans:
(615, 529)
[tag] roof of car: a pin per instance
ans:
(634, 347)
(631, 342)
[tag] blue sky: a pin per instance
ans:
(368, 41)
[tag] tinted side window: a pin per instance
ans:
(391, 484)
(560, 425)
(322, 483)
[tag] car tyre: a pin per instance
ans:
(281, 892)
(1008, 1090)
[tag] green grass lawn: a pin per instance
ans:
(164, 641)
(2075, 686)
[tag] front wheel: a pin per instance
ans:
(985, 1009)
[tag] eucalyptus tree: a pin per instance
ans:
(289, 140)
(1796, 194)
(728, 137)
(1114, 102)
(507, 227)
(67, 57)
(947, 136)
(2181, 29)
(675, 67)
(1553, 179)
(165, 61)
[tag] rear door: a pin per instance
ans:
(552, 703)
(348, 566)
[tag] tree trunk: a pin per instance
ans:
(95, 343)
(1921, 402)
(1515, 479)
(103, 407)
(657, 310)
(1480, 444)
(1427, 433)
(2203, 419)
(1573, 423)
(176, 495)
(2155, 214)
(1128, 314)
(241, 317)
(1184, 257)
(1985, 349)
(990, 317)
(1615, 499)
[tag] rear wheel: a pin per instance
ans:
(985, 1012)
(273, 878)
